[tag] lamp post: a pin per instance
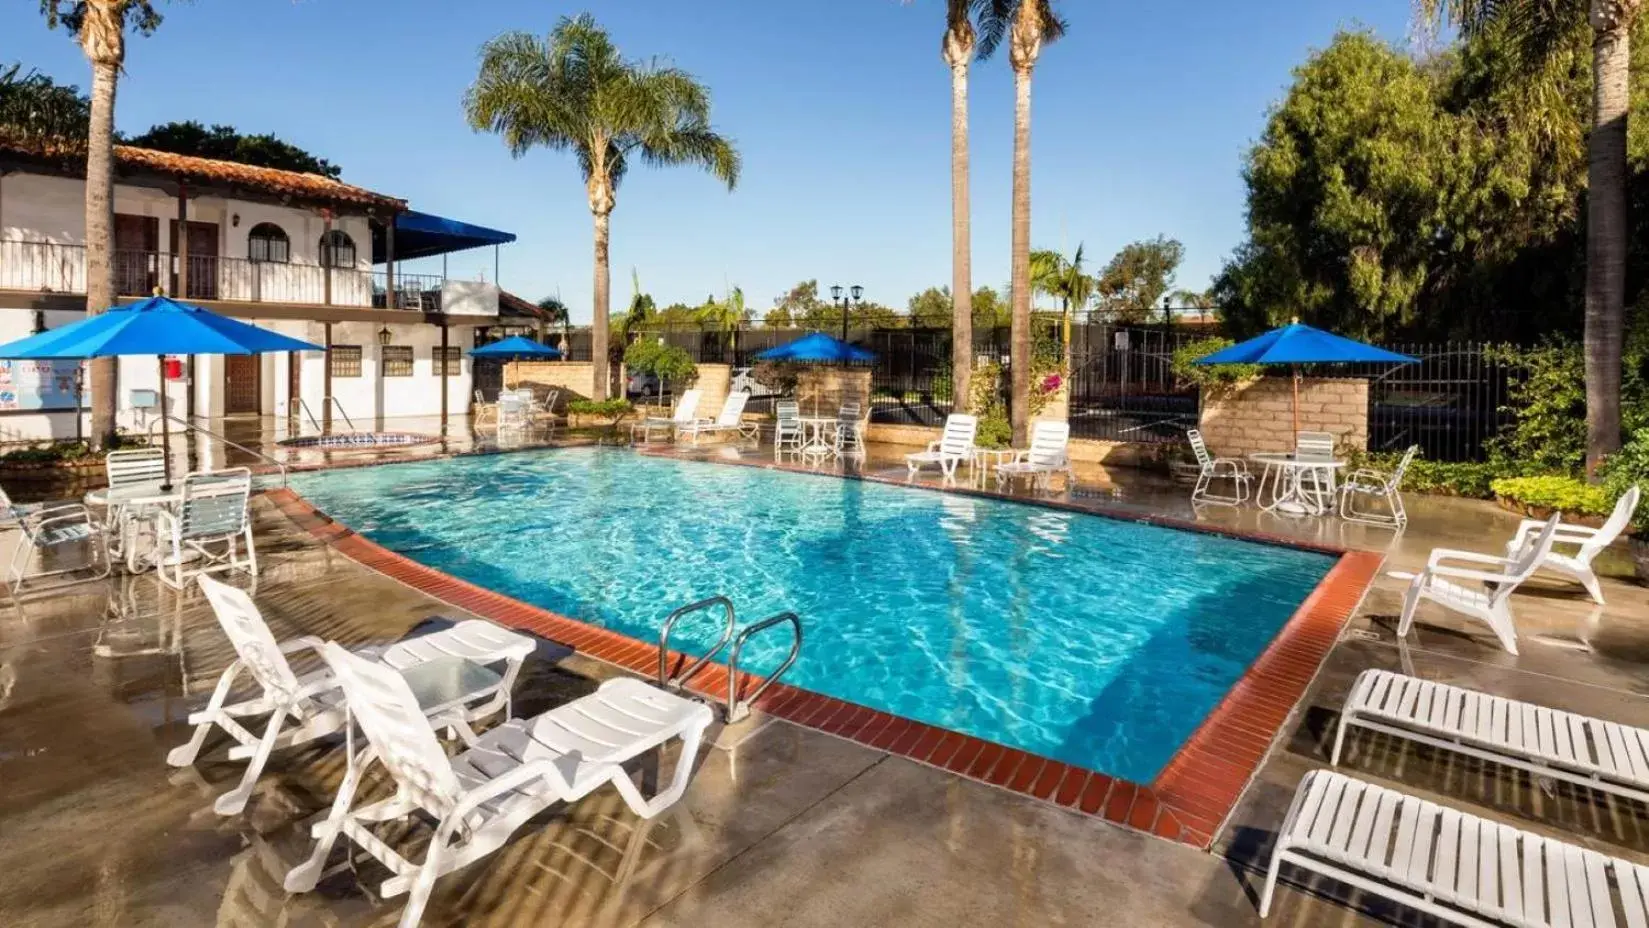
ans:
(855, 297)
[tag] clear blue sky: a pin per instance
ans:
(841, 109)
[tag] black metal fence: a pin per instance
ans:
(1123, 386)
(1450, 404)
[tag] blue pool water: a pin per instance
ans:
(1098, 642)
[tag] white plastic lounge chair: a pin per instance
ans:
(1373, 485)
(1046, 457)
(686, 413)
(209, 529)
(730, 419)
(1210, 469)
(787, 428)
(955, 447)
(505, 777)
(1591, 752)
(301, 708)
(1499, 578)
(1451, 864)
(849, 437)
(1591, 542)
(51, 532)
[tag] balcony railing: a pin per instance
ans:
(50, 267)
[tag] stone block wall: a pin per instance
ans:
(714, 379)
(1257, 415)
(830, 387)
(575, 379)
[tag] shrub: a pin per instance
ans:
(994, 431)
(1563, 494)
(1188, 372)
(55, 453)
(668, 363)
(1549, 403)
(1470, 479)
(1628, 466)
(612, 410)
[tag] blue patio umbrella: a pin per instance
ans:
(516, 348)
(818, 348)
(159, 326)
(1295, 344)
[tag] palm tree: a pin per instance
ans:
(958, 50)
(573, 91)
(100, 28)
(1026, 25)
(551, 311)
(1540, 25)
(33, 107)
(1066, 281)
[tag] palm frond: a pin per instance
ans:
(996, 18)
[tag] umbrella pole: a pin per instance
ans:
(1296, 403)
(165, 426)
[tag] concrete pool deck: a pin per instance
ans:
(782, 825)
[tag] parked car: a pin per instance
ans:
(642, 385)
(744, 380)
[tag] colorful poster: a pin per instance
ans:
(28, 385)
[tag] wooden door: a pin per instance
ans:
(203, 260)
(136, 255)
(241, 387)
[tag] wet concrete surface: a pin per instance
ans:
(782, 825)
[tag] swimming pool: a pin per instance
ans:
(1098, 642)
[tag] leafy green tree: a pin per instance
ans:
(99, 27)
(33, 107)
(725, 314)
(573, 91)
(778, 317)
(990, 310)
(1132, 285)
(799, 306)
(227, 144)
(932, 309)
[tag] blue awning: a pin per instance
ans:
(422, 235)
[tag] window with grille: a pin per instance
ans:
(397, 360)
(337, 250)
(268, 242)
(454, 361)
(345, 360)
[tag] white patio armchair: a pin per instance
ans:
(1365, 487)
(48, 536)
(849, 437)
(953, 448)
(686, 413)
(787, 428)
(1589, 542)
(1210, 469)
(210, 531)
(504, 778)
(1047, 456)
(302, 708)
(1495, 579)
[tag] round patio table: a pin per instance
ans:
(814, 429)
(1287, 473)
(130, 507)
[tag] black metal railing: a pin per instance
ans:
(1451, 403)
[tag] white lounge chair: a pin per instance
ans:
(301, 708)
(1487, 602)
(686, 413)
(1451, 864)
(1047, 456)
(52, 532)
(730, 419)
(1373, 485)
(953, 448)
(1590, 541)
(1210, 469)
(505, 777)
(1591, 752)
(787, 428)
(209, 530)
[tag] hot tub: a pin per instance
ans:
(359, 441)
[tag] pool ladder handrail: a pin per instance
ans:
(735, 709)
(326, 401)
(739, 709)
(280, 467)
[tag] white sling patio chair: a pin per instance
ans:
(1210, 469)
(1372, 485)
(730, 419)
(1590, 752)
(953, 448)
(1590, 541)
(502, 779)
(50, 534)
(135, 465)
(1454, 865)
(787, 428)
(686, 413)
(1046, 457)
(209, 530)
(1497, 578)
(849, 437)
(302, 708)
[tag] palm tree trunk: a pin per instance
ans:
(100, 236)
(598, 321)
(1019, 352)
(961, 242)
(1606, 243)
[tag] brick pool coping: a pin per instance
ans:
(1187, 802)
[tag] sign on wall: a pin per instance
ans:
(30, 385)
